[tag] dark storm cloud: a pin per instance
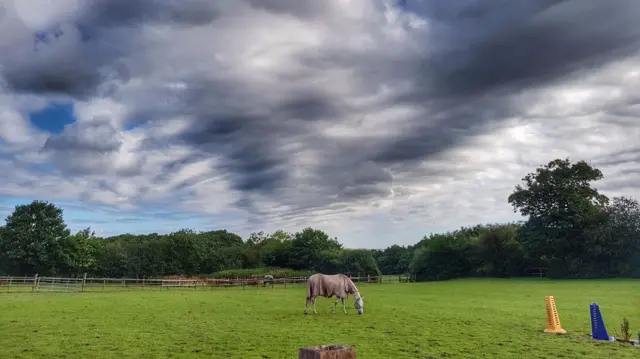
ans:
(365, 180)
(302, 9)
(93, 56)
(619, 157)
(65, 65)
(549, 42)
(68, 78)
(247, 133)
(113, 13)
(487, 51)
(548, 45)
(247, 146)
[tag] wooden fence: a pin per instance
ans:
(90, 284)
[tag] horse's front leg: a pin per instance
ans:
(344, 306)
(334, 305)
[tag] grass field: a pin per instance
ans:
(456, 319)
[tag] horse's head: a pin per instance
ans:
(359, 305)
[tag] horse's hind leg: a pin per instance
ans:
(314, 306)
(306, 305)
(334, 305)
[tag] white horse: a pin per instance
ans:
(267, 279)
(329, 285)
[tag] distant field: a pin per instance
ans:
(456, 319)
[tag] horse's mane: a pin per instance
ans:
(351, 286)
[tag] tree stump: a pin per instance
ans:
(327, 352)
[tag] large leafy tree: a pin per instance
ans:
(444, 256)
(394, 259)
(307, 246)
(615, 242)
(276, 249)
(83, 251)
(36, 240)
(499, 253)
(359, 262)
(561, 206)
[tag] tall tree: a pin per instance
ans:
(561, 206)
(614, 244)
(276, 249)
(394, 259)
(83, 251)
(307, 246)
(359, 262)
(35, 240)
(499, 251)
(443, 256)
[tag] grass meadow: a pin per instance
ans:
(477, 318)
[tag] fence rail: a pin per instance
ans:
(10, 284)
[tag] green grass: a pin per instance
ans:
(456, 319)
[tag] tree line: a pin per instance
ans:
(571, 229)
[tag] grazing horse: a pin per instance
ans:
(329, 285)
(268, 279)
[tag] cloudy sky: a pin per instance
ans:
(378, 121)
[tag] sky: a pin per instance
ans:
(377, 121)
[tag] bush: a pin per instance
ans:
(443, 257)
(499, 252)
(359, 262)
(624, 330)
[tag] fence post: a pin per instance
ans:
(104, 281)
(35, 283)
(84, 281)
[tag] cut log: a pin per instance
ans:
(327, 352)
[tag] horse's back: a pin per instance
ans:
(327, 285)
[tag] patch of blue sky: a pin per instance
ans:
(54, 117)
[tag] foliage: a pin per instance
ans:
(443, 256)
(35, 239)
(614, 242)
(499, 251)
(83, 249)
(624, 330)
(562, 207)
(394, 259)
(359, 262)
(306, 247)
